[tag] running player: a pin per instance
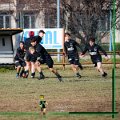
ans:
(44, 57)
(94, 51)
(72, 53)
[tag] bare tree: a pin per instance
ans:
(91, 17)
(83, 18)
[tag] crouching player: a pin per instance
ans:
(44, 57)
(19, 59)
(72, 53)
(31, 58)
(94, 51)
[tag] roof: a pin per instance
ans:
(10, 31)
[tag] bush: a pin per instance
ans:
(105, 46)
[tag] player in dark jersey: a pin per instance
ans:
(19, 59)
(94, 51)
(71, 51)
(31, 35)
(38, 38)
(31, 57)
(44, 57)
(27, 40)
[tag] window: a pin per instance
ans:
(5, 21)
(28, 21)
(3, 41)
(103, 24)
(50, 18)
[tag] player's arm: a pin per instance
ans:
(39, 53)
(84, 51)
(18, 55)
(40, 104)
(65, 49)
(38, 50)
(38, 39)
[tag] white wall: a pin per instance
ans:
(40, 20)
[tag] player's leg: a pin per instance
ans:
(33, 66)
(77, 61)
(75, 69)
(39, 69)
(99, 67)
(27, 68)
(75, 66)
(71, 61)
(18, 70)
(44, 111)
(56, 73)
(80, 66)
(18, 67)
(28, 64)
(32, 69)
(23, 64)
(50, 63)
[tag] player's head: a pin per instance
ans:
(41, 97)
(91, 41)
(21, 44)
(67, 36)
(32, 50)
(41, 33)
(33, 42)
(31, 34)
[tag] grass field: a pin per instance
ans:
(19, 98)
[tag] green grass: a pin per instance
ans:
(19, 98)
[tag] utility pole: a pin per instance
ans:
(58, 24)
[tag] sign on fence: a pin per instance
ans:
(53, 38)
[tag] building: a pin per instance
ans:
(22, 14)
(41, 14)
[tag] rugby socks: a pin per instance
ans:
(80, 66)
(41, 75)
(58, 76)
(17, 75)
(104, 74)
(26, 73)
(21, 73)
(78, 75)
(32, 75)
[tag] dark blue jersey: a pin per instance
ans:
(41, 51)
(20, 54)
(94, 51)
(28, 41)
(38, 39)
(71, 47)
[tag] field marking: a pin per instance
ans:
(56, 113)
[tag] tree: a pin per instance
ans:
(91, 17)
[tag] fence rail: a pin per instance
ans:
(84, 63)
